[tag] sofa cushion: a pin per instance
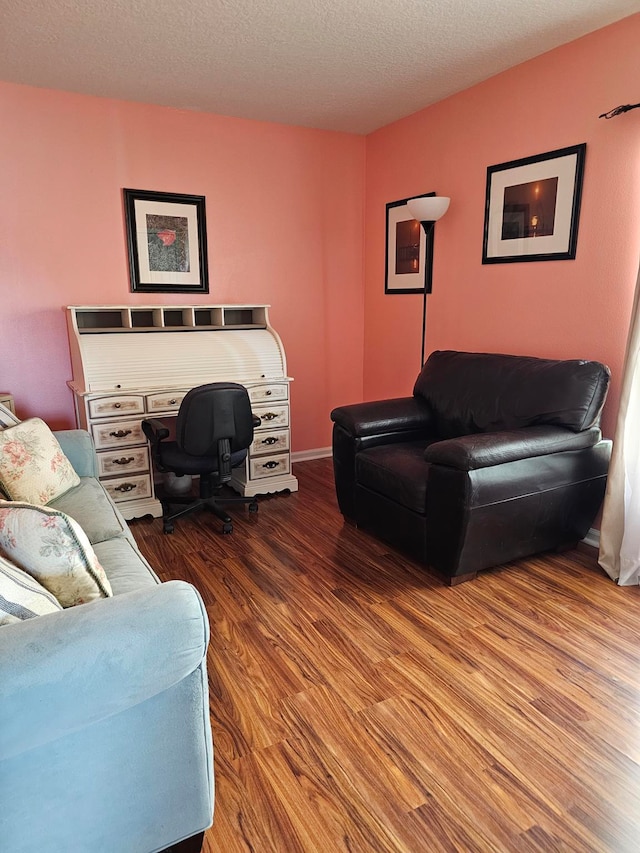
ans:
(483, 392)
(54, 550)
(95, 512)
(397, 471)
(33, 467)
(125, 566)
(21, 596)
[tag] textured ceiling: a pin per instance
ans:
(350, 65)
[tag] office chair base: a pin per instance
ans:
(213, 504)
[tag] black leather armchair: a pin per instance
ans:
(493, 458)
(214, 430)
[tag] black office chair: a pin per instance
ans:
(214, 430)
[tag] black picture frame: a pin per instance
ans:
(167, 242)
(407, 246)
(532, 207)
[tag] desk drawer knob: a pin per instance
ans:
(120, 433)
(124, 461)
(270, 440)
(270, 465)
(116, 405)
(172, 402)
(268, 393)
(125, 487)
(269, 416)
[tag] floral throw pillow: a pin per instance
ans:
(33, 467)
(21, 596)
(53, 549)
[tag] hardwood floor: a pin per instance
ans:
(358, 704)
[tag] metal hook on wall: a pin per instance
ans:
(616, 111)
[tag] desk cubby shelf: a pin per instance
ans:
(137, 361)
(92, 320)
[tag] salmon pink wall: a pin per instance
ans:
(284, 220)
(559, 309)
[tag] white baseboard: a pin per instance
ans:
(305, 455)
(592, 538)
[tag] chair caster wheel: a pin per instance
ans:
(227, 528)
(253, 506)
(167, 527)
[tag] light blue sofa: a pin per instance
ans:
(105, 738)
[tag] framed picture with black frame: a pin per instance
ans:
(532, 207)
(167, 242)
(408, 251)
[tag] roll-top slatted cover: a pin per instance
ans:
(174, 359)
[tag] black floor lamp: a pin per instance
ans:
(427, 210)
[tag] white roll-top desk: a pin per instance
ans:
(133, 362)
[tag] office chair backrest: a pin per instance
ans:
(209, 413)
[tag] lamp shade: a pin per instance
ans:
(428, 208)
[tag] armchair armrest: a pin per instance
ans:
(67, 670)
(77, 445)
(383, 417)
(482, 450)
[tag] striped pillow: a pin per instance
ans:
(21, 596)
(7, 418)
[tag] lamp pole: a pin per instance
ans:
(427, 209)
(428, 228)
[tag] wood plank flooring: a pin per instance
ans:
(358, 704)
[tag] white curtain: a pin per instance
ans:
(620, 528)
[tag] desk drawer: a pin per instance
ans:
(266, 393)
(269, 441)
(112, 462)
(117, 434)
(105, 407)
(269, 466)
(128, 488)
(272, 416)
(165, 401)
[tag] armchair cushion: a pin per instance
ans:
(398, 471)
(480, 392)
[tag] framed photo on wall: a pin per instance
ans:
(167, 242)
(532, 207)
(408, 251)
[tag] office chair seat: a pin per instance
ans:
(214, 430)
(176, 460)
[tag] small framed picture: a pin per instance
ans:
(167, 242)
(409, 252)
(532, 207)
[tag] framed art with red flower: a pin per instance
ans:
(167, 242)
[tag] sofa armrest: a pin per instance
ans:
(482, 450)
(383, 417)
(77, 445)
(64, 671)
